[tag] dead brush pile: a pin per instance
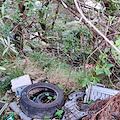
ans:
(107, 109)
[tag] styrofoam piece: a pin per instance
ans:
(19, 82)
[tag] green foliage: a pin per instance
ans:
(103, 66)
(59, 113)
(69, 2)
(46, 117)
(70, 39)
(86, 81)
(112, 6)
(11, 20)
(60, 86)
(90, 101)
(50, 97)
(44, 61)
(8, 46)
(113, 51)
(11, 73)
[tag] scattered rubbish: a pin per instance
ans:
(16, 109)
(3, 105)
(94, 93)
(19, 90)
(41, 99)
(71, 108)
(20, 82)
(98, 92)
(10, 117)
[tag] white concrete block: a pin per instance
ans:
(20, 81)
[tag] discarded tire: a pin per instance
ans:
(35, 104)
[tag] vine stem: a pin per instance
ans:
(100, 33)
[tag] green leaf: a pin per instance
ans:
(113, 51)
(55, 97)
(46, 82)
(60, 86)
(84, 84)
(59, 113)
(50, 98)
(1, 22)
(107, 71)
(94, 82)
(101, 56)
(97, 79)
(117, 42)
(90, 101)
(5, 51)
(109, 66)
(106, 49)
(47, 94)
(46, 117)
(14, 51)
(99, 71)
(64, 91)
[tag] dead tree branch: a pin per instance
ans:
(100, 33)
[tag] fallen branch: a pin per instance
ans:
(100, 33)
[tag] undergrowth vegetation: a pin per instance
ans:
(52, 66)
(6, 84)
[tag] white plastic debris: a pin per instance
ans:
(96, 5)
(19, 82)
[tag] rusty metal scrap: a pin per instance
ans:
(108, 109)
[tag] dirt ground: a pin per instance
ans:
(38, 75)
